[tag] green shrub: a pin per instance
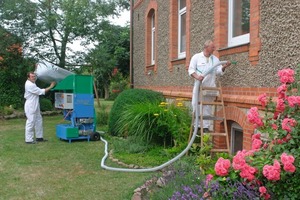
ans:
(117, 85)
(130, 97)
(158, 123)
(102, 115)
(13, 72)
(6, 110)
(45, 104)
(131, 151)
(272, 165)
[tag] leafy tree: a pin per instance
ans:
(112, 51)
(13, 69)
(49, 27)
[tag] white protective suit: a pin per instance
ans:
(200, 64)
(34, 121)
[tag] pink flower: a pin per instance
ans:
(238, 160)
(248, 172)
(263, 99)
(209, 177)
(286, 75)
(262, 190)
(280, 105)
(287, 138)
(293, 101)
(281, 91)
(279, 141)
(267, 196)
(205, 195)
(264, 193)
(222, 166)
(256, 136)
(256, 144)
(276, 165)
(289, 167)
(274, 126)
(254, 118)
(285, 158)
(272, 173)
(287, 123)
(276, 114)
(266, 145)
(287, 161)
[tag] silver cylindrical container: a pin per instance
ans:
(48, 72)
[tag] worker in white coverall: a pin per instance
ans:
(201, 63)
(34, 122)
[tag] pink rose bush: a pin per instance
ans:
(263, 99)
(286, 76)
(272, 164)
(272, 172)
(264, 193)
(288, 162)
(222, 167)
(287, 124)
(253, 117)
(256, 142)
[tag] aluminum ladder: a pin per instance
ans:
(219, 103)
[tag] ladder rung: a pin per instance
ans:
(218, 134)
(219, 150)
(212, 118)
(216, 92)
(211, 88)
(211, 103)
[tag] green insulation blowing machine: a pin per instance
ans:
(74, 95)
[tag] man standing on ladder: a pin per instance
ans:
(200, 64)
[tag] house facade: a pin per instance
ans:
(262, 36)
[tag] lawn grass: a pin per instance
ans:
(57, 169)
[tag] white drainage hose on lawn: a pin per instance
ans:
(196, 96)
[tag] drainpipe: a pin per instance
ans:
(131, 45)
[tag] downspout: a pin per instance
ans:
(131, 45)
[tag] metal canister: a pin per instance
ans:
(48, 72)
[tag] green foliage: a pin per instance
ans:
(130, 145)
(281, 138)
(57, 169)
(273, 162)
(204, 158)
(126, 98)
(45, 104)
(102, 115)
(132, 151)
(162, 124)
(52, 25)
(117, 85)
(13, 70)
(111, 54)
(6, 110)
(181, 174)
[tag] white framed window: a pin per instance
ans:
(238, 22)
(181, 28)
(236, 138)
(153, 39)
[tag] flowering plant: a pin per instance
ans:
(272, 165)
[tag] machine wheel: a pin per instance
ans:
(95, 136)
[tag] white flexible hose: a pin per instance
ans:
(197, 85)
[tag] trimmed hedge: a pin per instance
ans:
(129, 97)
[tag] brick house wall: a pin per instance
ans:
(274, 45)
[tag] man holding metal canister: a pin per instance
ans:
(34, 122)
